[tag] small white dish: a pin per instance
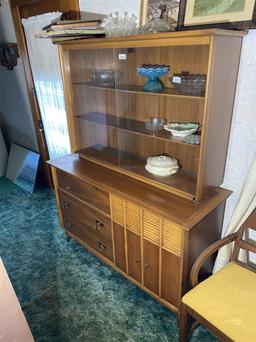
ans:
(179, 129)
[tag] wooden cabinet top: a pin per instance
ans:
(177, 209)
(202, 36)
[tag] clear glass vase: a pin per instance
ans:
(155, 25)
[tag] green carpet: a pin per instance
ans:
(6, 185)
(66, 293)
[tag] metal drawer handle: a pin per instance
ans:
(68, 187)
(146, 265)
(98, 226)
(69, 225)
(101, 246)
(66, 205)
(138, 260)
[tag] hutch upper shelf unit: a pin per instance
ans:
(107, 122)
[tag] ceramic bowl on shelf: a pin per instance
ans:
(153, 72)
(181, 129)
(105, 77)
(162, 165)
(154, 124)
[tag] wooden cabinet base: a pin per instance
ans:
(153, 242)
(111, 264)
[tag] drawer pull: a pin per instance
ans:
(98, 226)
(138, 260)
(68, 187)
(101, 246)
(146, 265)
(66, 205)
(69, 225)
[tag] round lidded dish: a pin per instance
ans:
(162, 172)
(162, 165)
(162, 161)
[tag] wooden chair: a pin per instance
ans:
(225, 302)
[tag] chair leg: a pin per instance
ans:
(67, 236)
(185, 322)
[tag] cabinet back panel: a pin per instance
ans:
(180, 58)
(135, 145)
(136, 105)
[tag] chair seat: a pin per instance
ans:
(227, 300)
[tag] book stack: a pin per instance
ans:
(61, 30)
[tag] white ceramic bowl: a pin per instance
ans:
(162, 172)
(181, 129)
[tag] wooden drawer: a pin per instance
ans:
(84, 191)
(81, 215)
(97, 243)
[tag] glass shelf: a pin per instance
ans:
(130, 125)
(181, 182)
(135, 89)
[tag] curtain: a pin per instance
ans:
(240, 163)
(44, 60)
(244, 207)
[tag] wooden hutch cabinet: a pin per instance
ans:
(151, 229)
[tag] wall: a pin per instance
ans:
(242, 145)
(15, 115)
(110, 6)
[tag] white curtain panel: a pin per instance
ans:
(244, 207)
(44, 60)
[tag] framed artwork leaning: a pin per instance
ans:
(235, 14)
(151, 8)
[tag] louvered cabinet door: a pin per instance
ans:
(172, 251)
(151, 240)
(134, 255)
(151, 266)
(119, 243)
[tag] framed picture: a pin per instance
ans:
(237, 14)
(149, 8)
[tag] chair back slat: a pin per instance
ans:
(246, 240)
(247, 246)
(251, 221)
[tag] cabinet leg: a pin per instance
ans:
(67, 236)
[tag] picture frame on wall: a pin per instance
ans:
(151, 7)
(235, 14)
